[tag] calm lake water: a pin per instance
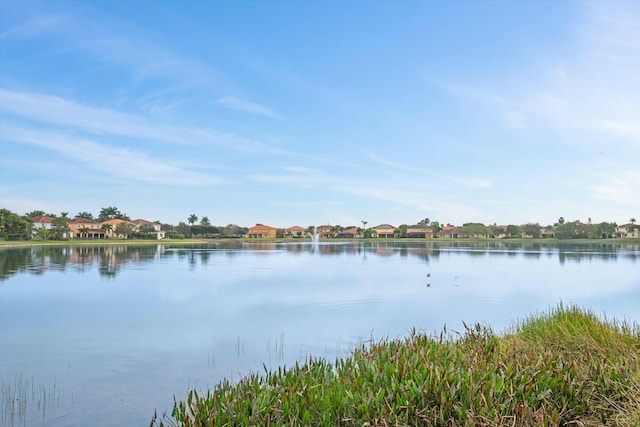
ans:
(105, 335)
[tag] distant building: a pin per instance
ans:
(349, 233)
(383, 231)
(82, 228)
(295, 232)
(419, 232)
(260, 231)
(627, 231)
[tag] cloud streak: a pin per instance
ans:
(117, 162)
(69, 114)
(247, 106)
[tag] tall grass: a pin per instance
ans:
(563, 367)
(22, 397)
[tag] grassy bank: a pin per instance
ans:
(564, 367)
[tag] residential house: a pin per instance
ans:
(114, 224)
(82, 228)
(349, 233)
(261, 231)
(157, 227)
(42, 221)
(383, 231)
(325, 231)
(627, 231)
(419, 232)
(450, 232)
(295, 232)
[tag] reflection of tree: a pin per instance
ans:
(109, 260)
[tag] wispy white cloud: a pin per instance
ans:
(69, 114)
(468, 182)
(594, 88)
(247, 106)
(122, 163)
(37, 25)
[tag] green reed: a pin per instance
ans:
(23, 396)
(563, 367)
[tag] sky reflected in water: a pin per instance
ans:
(118, 330)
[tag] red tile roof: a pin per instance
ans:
(261, 227)
(42, 219)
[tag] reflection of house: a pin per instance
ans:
(295, 231)
(349, 233)
(325, 231)
(82, 228)
(627, 231)
(260, 231)
(383, 231)
(419, 232)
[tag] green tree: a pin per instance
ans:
(205, 221)
(475, 229)
(424, 222)
(401, 231)
(84, 230)
(147, 231)
(64, 215)
(566, 230)
(193, 218)
(123, 230)
(41, 233)
(532, 230)
(13, 225)
(632, 220)
(435, 228)
(233, 230)
(513, 230)
(561, 220)
(183, 229)
(108, 213)
(59, 228)
(497, 231)
(85, 215)
(34, 214)
(106, 229)
(606, 230)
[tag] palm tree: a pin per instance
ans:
(106, 229)
(205, 221)
(84, 230)
(364, 224)
(85, 215)
(632, 220)
(193, 218)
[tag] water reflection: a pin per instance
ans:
(109, 260)
(124, 328)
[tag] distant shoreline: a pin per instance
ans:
(136, 242)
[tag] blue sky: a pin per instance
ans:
(314, 112)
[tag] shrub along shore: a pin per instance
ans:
(563, 367)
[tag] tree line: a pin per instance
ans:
(14, 226)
